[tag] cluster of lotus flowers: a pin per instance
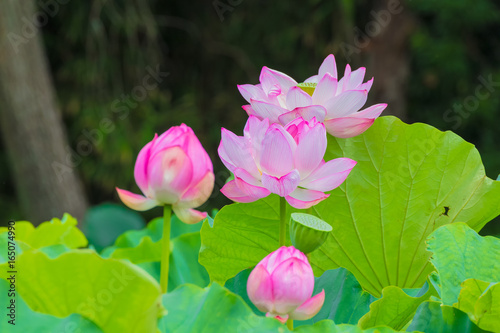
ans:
(281, 151)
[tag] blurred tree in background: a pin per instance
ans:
(31, 124)
(110, 60)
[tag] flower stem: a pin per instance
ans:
(289, 324)
(282, 221)
(165, 248)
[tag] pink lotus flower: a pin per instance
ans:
(282, 285)
(173, 169)
(287, 161)
(334, 102)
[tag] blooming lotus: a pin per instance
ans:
(287, 161)
(334, 102)
(173, 169)
(282, 285)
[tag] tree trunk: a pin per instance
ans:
(389, 56)
(31, 123)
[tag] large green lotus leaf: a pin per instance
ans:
(241, 236)
(238, 285)
(143, 247)
(56, 231)
(216, 309)
(5, 242)
(27, 320)
(116, 295)
(105, 222)
(459, 253)
(132, 238)
(345, 301)
(145, 251)
(183, 267)
(396, 308)
(409, 180)
(481, 301)
(213, 309)
(154, 231)
(433, 317)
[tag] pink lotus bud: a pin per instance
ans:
(282, 285)
(173, 169)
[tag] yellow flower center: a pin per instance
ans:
(308, 87)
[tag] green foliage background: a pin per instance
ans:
(99, 50)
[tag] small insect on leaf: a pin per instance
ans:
(446, 210)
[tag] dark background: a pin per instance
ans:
(427, 57)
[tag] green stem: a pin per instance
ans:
(289, 324)
(165, 248)
(282, 221)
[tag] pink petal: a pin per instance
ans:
(326, 89)
(141, 166)
(299, 127)
(328, 66)
(273, 259)
(347, 127)
(197, 153)
(184, 137)
(136, 201)
(276, 156)
(346, 103)
(330, 175)
(249, 110)
(296, 97)
(281, 186)
(269, 83)
(344, 82)
(170, 172)
(293, 284)
(260, 289)
(247, 177)
(236, 152)
(310, 150)
(354, 124)
(303, 199)
(307, 113)
(187, 215)
(250, 91)
(198, 193)
(371, 112)
(366, 86)
(267, 110)
(357, 78)
(240, 191)
(255, 131)
(174, 136)
(310, 308)
(284, 81)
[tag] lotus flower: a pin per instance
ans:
(287, 161)
(334, 102)
(173, 169)
(282, 285)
